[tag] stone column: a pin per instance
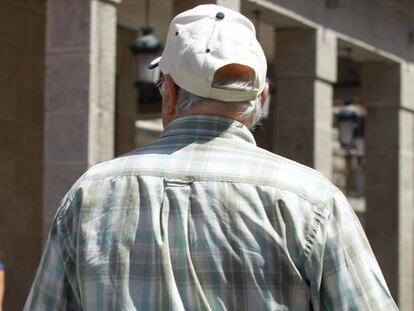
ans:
(22, 50)
(388, 94)
(79, 93)
(182, 5)
(305, 68)
(126, 93)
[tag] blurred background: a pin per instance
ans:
(74, 91)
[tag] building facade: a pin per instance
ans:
(67, 102)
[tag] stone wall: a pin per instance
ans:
(384, 24)
(22, 40)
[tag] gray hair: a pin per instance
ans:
(249, 109)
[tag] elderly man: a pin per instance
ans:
(203, 219)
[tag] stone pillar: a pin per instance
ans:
(305, 68)
(102, 80)
(388, 95)
(22, 50)
(231, 4)
(126, 93)
(182, 5)
(79, 93)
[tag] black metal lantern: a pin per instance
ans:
(351, 119)
(146, 48)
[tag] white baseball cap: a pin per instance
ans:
(206, 38)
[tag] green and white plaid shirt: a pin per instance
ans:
(203, 219)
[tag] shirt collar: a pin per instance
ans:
(209, 127)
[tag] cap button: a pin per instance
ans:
(220, 15)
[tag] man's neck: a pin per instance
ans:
(217, 109)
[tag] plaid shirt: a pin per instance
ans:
(203, 219)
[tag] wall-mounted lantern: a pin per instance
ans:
(146, 48)
(350, 116)
(351, 119)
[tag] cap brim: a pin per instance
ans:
(154, 64)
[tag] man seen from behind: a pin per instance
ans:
(203, 219)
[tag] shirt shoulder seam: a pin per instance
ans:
(318, 216)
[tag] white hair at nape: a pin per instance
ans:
(248, 109)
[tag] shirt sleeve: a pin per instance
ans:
(341, 267)
(55, 284)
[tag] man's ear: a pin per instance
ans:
(264, 94)
(170, 100)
